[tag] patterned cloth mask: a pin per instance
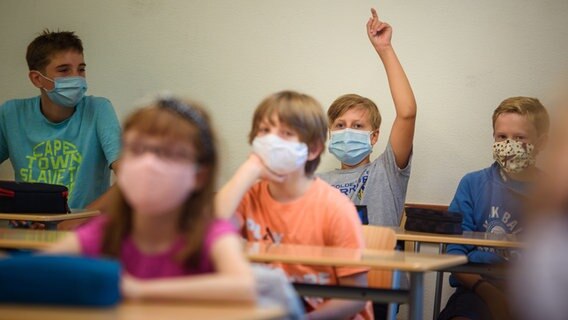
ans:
(67, 91)
(350, 146)
(279, 155)
(513, 156)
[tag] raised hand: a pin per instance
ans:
(379, 32)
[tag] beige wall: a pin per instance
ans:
(462, 58)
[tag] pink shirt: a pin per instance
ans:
(147, 266)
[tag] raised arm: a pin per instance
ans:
(402, 132)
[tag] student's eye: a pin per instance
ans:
(338, 126)
(63, 70)
(263, 130)
(289, 133)
(357, 126)
(520, 138)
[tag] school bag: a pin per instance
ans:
(433, 221)
(28, 197)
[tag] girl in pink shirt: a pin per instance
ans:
(160, 222)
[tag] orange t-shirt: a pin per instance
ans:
(323, 216)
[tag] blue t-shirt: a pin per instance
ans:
(76, 152)
(489, 204)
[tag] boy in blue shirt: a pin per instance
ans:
(61, 136)
(493, 200)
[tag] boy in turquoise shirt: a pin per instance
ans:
(61, 136)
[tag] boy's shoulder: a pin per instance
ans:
(482, 175)
(327, 195)
(94, 101)
(14, 105)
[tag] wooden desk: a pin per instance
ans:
(415, 263)
(467, 238)
(481, 239)
(50, 219)
(29, 239)
(143, 311)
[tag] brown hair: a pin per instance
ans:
(42, 48)
(350, 101)
(172, 120)
(301, 113)
(528, 107)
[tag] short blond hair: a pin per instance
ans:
(528, 107)
(349, 101)
(300, 112)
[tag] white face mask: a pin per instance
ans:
(154, 186)
(279, 155)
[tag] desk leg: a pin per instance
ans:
(439, 284)
(416, 296)
(416, 246)
(391, 311)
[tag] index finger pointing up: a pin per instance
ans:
(374, 13)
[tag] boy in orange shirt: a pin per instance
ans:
(290, 205)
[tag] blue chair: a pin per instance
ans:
(59, 280)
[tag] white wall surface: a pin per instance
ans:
(462, 58)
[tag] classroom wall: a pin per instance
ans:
(462, 58)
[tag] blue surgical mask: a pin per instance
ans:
(68, 91)
(350, 146)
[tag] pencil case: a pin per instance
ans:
(433, 221)
(59, 280)
(28, 197)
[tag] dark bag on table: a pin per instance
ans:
(433, 221)
(27, 197)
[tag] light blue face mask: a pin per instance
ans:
(350, 146)
(68, 91)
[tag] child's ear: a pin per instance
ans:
(35, 78)
(314, 150)
(374, 137)
(541, 143)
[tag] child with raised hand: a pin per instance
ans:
(161, 223)
(291, 206)
(494, 200)
(378, 186)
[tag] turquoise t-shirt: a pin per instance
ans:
(76, 152)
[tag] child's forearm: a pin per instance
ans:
(401, 91)
(337, 309)
(197, 288)
(228, 198)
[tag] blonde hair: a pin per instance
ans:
(350, 101)
(300, 112)
(528, 107)
(174, 121)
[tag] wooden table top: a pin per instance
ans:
(345, 257)
(467, 238)
(144, 310)
(48, 217)
(29, 239)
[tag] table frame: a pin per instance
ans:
(360, 258)
(467, 238)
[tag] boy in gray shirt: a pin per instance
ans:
(378, 187)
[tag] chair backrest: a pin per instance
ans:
(379, 238)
